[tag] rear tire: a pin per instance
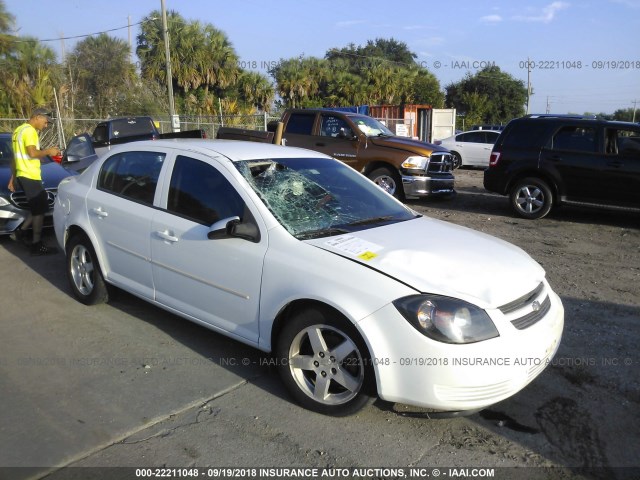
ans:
(531, 198)
(324, 363)
(84, 273)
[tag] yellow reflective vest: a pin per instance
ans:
(26, 166)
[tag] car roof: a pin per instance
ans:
(235, 150)
(574, 120)
(479, 130)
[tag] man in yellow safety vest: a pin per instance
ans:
(26, 174)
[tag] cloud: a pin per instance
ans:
(491, 19)
(547, 14)
(349, 23)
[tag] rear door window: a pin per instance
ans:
(300, 123)
(624, 142)
(525, 135)
(133, 175)
(575, 138)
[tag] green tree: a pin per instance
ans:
(28, 77)
(6, 24)
(381, 72)
(425, 89)
(256, 90)
(505, 96)
(360, 57)
(301, 82)
(202, 57)
(101, 78)
(626, 115)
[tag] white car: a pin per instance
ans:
(297, 254)
(472, 148)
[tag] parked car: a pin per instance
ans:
(14, 208)
(295, 253)
(472, 148)
(545, 161)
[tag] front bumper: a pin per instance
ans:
(422, 186)
(415, 370)
(12, 213)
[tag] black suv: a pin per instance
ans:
(541, 162)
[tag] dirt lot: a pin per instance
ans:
(79, 386)
(590, 410)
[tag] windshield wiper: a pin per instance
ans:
(369, 221)
(321, 232)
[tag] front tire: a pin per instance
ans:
(531, 198)
(84, 273)
(324, 363)
(457, 160)
(388, 180)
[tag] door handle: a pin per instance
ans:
(615, 164)
(320, 144)
(99, 212)
(167, 236)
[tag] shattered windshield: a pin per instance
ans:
(317, 197)
(370, 126)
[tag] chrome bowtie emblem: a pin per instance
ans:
(536, 306)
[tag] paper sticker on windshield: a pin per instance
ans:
(355, 246)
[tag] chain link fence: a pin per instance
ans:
(60, 131)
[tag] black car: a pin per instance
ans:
(541, 162)
(14, 208)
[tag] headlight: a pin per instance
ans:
(4, 202)
(416, 163)
(446, 319)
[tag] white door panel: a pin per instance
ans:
(122, 229)
(216, 281)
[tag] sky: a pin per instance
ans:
(584, 56)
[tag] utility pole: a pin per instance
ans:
(175, 120)
(548, 105)
(635, 103)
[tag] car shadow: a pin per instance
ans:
(242, 360)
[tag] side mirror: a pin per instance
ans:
(232, 227)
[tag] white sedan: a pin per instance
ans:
(292, 252)
(472, 148)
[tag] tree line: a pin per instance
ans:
(98, 79)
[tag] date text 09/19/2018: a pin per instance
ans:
(580, 65)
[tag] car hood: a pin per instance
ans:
(405, 143)
(440, 258)
(52, 174)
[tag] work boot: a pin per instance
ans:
(39, 248)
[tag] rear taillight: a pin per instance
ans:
(494, 159)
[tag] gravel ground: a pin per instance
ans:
(588, 402)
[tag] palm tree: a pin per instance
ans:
(6, 24)
(27, 76)
(256, 89)
(201, 55)
(99, 68)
